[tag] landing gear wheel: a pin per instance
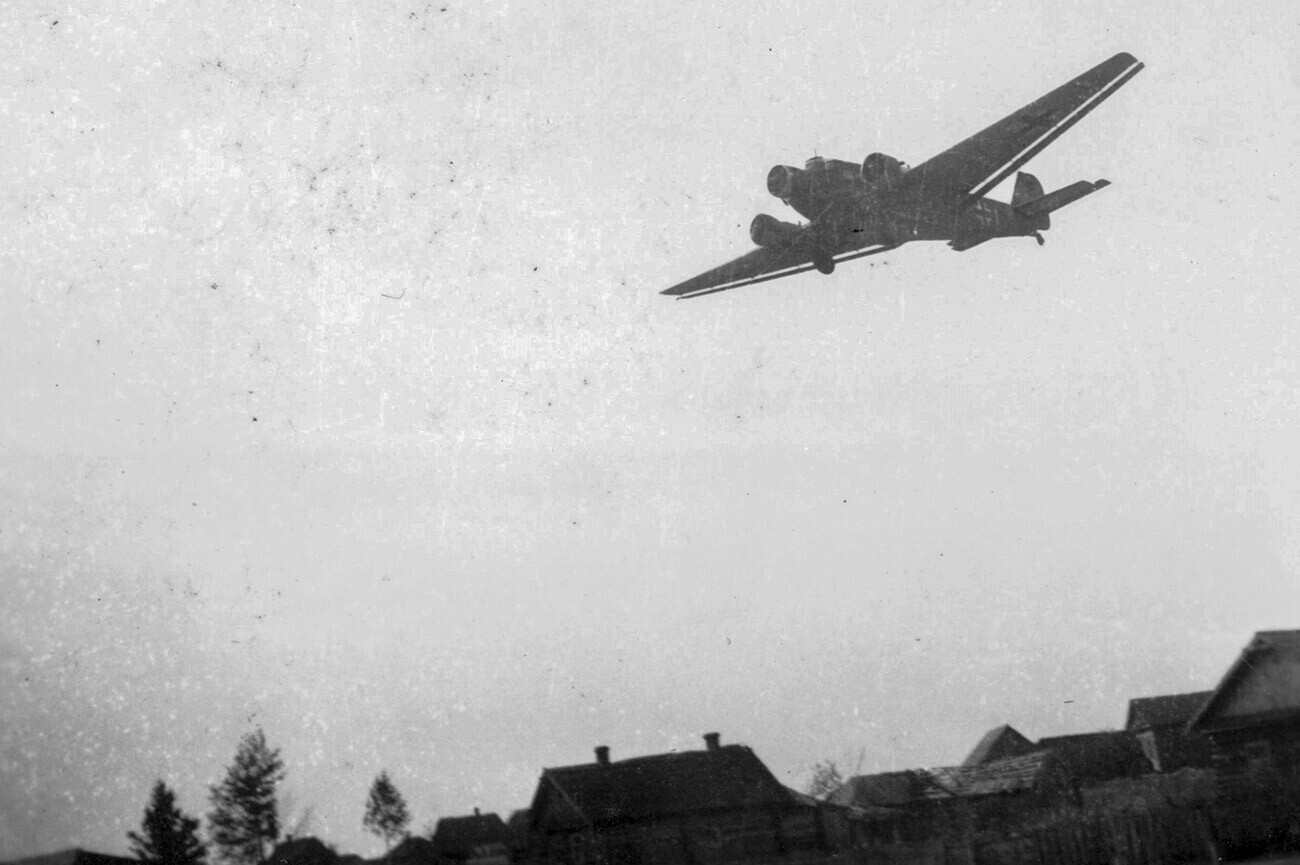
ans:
(1039, 238)
(825, 264)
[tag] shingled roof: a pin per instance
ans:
(1009, 775)
(723, 777)
(1000, 742)
(1165, 710)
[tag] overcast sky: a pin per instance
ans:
(338, 398)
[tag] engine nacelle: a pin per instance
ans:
(879, 166)
(769, 231)
(786, 182)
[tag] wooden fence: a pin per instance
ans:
(1158, 838)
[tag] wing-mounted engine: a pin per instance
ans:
(769, 231)
(879, 167)
(787, 183)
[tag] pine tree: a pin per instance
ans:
(244, 822)
(168, 836)
(386, 814)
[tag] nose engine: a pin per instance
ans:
(769, 231)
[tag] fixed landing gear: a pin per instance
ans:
(824, 264)
(1039, 238)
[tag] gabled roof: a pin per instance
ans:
(1098, 756)
(1163, 711)
(1009, 775)
(458, 836)
(1000, 742)
(727, 777)
(1276, 652)
(884, 789)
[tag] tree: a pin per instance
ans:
(168, 836)
(244, 822)
(386, 814)
(825, 779)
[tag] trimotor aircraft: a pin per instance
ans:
(858, 210)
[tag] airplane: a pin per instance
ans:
(856, 210)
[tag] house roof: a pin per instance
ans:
(413, 849)
(1000, 742)
(1098, 756)
(1267, 647)
(1008, 775)
(725, 777)
(303, 851)
(883, 790)
(1165, 710)
(458, 836)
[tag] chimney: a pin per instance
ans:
(602, 755)
(711, 741)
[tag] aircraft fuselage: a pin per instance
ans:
(875, 212)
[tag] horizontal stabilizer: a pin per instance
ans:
(1058, 199)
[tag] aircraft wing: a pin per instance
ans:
(968, 171)
(759, 265)
(765, 262)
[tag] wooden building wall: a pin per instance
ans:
(1249, 760)
(702, 839)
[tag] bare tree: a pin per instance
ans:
(826, 779)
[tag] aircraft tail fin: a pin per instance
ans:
(1027, 189)
(1041, 205)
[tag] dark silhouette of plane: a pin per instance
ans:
(860, 210)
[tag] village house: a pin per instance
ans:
(1160, 726)
(1009, 790)
(720, 804)
(518, 827)
(897, 806)
(303, 851)
(1088, 758)
(1252, 718)
(475, 839)
(1091, 758)
(412, 850)
(955, 801)
(998, 743)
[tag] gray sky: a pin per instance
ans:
(338, 397)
